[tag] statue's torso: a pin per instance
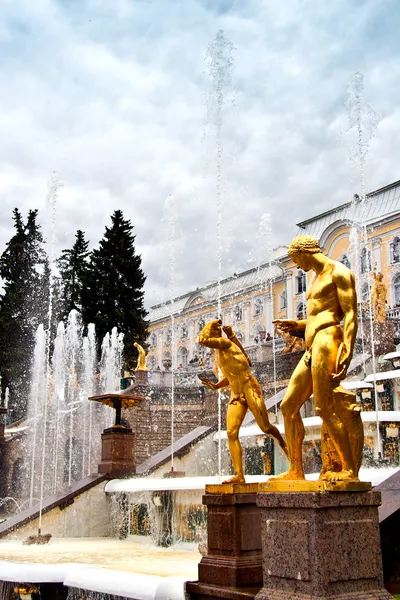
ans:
(323, 307)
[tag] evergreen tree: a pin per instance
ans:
(73, 266)
(113, 292)
(21, 306)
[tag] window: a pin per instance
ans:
(395, 250)
(153, 340)
(365, 261)
(282, 300)
(184, 331)
(238, 313)
(301, 311)
(345, 261)
(169, 336)
(200, 325)
(258, 308)
(396, 289)
(301, 282)
(365, 292)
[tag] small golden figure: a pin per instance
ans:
(331, 298)
(234, 365)
(141, 364)
(378, 298)
(292, 343)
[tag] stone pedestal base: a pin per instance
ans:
(117, 452)
(233, 566)
(321, 546)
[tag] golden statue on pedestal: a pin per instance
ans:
(246, 393)
(331, 298)
(378, 298)
(141, 364)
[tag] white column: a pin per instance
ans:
(160, 347)
(289, 294)
(191, 328)
(246, 317)
(268, 315)
(376, 253)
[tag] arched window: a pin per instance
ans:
(153, 340)
(301, 282)
(301, 311)
(169, 336)
(238, 313)
(345, 261)
(184, 331)
(182, 357)
(365, 260)
(395, 250)
(396, 289)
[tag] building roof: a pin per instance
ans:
(379, 204)
(209, 293)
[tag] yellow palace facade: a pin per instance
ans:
(363, 234)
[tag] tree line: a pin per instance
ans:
(105, 285)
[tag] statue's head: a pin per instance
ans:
(216, 328)
(379, 276)
(302, 248)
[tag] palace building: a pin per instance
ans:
(252, 299)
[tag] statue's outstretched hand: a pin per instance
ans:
(285, 324)
(208, 383)
(228, 330)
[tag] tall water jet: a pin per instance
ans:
(170, 218)
(219, 57)
(266, 280)
(362, 124)
(51, 201)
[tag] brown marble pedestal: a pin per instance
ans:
(232, 569)
(117, 452)
(321, 546)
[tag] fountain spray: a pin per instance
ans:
(54, 186)
(363, 122)
(170, 216)
(219, 57)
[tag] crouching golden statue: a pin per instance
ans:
(246, 393)
(331, 299)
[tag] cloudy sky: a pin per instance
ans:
(117, 97)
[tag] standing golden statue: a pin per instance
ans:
(378, 298)
(331, 298)
(246, 393)
(141, 364)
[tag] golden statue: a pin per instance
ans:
(234, 365)
(141, 364)
(292, 343)
(378, 298)
(331, 298)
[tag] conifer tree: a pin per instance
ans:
(73, 266)
(21, 306)
(113, 292)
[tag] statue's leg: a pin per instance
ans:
(324, 357)
(255, 402)
(299, 390)
(235, 415)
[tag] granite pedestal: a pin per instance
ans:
(321, 546)
(232, 568)
(117, 458)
